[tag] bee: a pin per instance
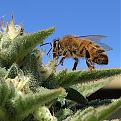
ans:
(76, 47)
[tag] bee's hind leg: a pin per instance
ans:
(75, 63)
(90, 64)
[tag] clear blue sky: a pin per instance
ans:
(81, 17)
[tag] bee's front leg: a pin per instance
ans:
(61, 61)
(64, 54)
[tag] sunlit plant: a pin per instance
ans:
(32, 91)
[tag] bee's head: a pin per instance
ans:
(56, 48)
(101, 59)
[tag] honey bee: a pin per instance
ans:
(76, 47)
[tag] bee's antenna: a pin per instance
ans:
(50, 48)
(44, 44)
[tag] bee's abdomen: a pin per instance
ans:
(94, 49)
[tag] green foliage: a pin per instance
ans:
(3, 72)
(43, 114)
(20, 47)
(32, 91)
(66, 79)
(104, 111)
(95, 114)
(63, 114)
(30, 102)
(86, 89)
(12, 72)
(0, 35)
(17, 104)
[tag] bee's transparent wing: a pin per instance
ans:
(106, 47)
(97, 38)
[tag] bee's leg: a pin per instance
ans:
(62, 60)
(89, 64)
(75, 63)
(63, 57)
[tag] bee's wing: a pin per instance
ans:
(106, 47)
(93, 37)
(97, 38)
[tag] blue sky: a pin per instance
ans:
(78, 17)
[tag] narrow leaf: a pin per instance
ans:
(3, 72)
(21, 46)
(63, 114)
(66, 79)
(2, 114)
(83, 115)
(104, 112)
(74, 95)
(43, 114)
(12, 72)
(27, 104)
(86, 89)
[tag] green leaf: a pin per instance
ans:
(12, 72)
(63, 114)
(96, 114)
(30, 68)
(74, 95)
(3, 72)
(27, 104)
(37, 71)
(86, 89)
(2, 114)
(104, 112)
(87, 114)
(0, 35)
(66, 79)
(98, 102)
(47, 70)
(43, 114)
(7, 91)
(21, 46)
